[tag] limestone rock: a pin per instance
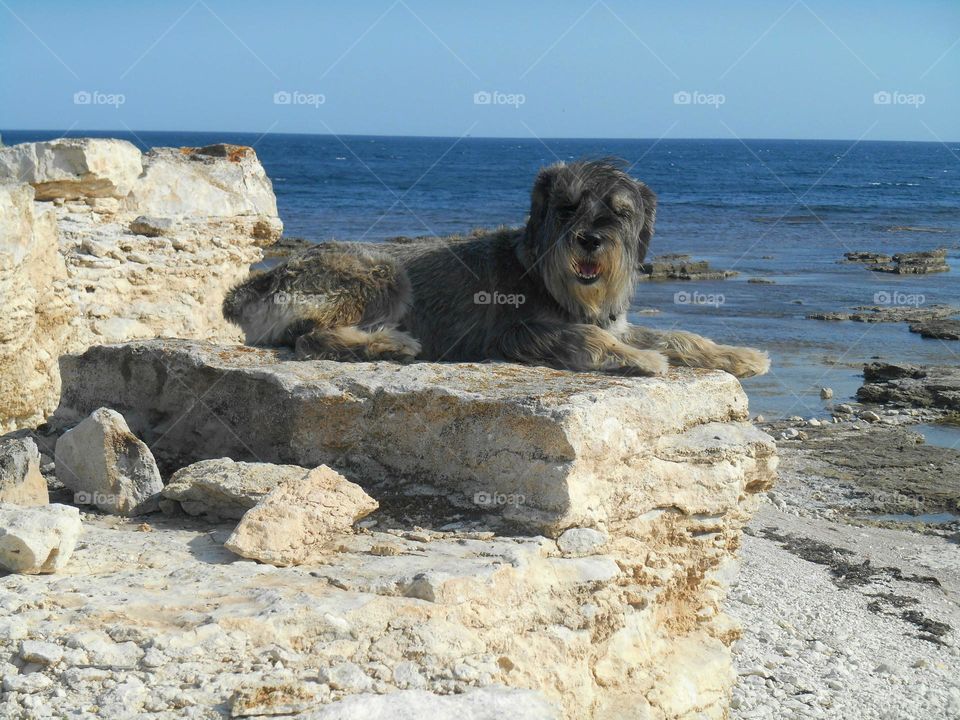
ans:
(151, 226)
(108, 466)
(459, 456)
(34, 324)
(20, 480)
(534, 443)
(218, 180)
(37, 539)
(226, 489)
(299, 517)
(132, 247)
(581, 541)
(73, 168)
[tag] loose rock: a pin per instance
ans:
(37, 539)
(299, 517)
(20, 480)
(108, 466)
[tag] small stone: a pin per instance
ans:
(106, 465)
(759, 419)
(795, 419)
(826, 393)
(581, 541)
(42, 653)
(870, 416)
(790, 433)
(844, 409)
(347, 676)
(406, 675)
(151, 226)
(297, 519)
(814, 422)
(30, 683)
(37, 539)
(21, 482)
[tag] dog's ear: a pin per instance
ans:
(649, 200)
(540, 196)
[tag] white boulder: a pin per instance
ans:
(37, 539)
(108, 466)
(20, 480)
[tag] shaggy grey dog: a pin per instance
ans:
(553, 293)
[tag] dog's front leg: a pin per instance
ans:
(686, 348)
(576, 347)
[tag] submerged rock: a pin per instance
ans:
(298, 519)
(37, 539)
(910, 263)
(106, 465)
(681, 267)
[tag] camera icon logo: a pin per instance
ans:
(282, 97)
(82, 97)
(482, 98)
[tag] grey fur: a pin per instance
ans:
(554, 293)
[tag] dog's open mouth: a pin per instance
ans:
(587, 272)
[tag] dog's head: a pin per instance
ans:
(589, 228)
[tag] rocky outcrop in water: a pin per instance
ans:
(909, 263)
(681, 267)
(100, 243)
(908, 385)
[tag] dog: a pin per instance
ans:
(553, 293)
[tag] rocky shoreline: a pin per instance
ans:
(195, 528)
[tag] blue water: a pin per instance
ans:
(784, 210)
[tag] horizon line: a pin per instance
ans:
(73, 132)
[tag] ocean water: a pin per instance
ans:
(781, 210)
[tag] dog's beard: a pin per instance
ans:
(591, 287)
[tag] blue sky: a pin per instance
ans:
(611, 68)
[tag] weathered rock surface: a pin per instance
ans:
(111, 245)
(298, 519)
(35, 322)
(20, 480)
(108, 466)
(226, 489)
(645, 481)
(908, 385)
(72, 168)
(937, 329)
(557, 448)
(37, 539)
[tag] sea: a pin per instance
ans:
(782, 211)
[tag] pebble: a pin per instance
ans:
(789, 433)
(826, 393)
(870, 416)
(43, 653)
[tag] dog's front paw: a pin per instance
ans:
(745, 362)
(637, 363)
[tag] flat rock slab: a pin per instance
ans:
(911, 385)
(545, 448)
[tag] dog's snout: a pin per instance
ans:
(590, 241)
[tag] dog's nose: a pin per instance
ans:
(590, 241)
